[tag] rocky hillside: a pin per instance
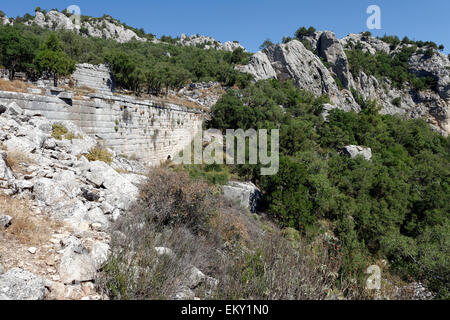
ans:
(209, 43)
(56, 206)
(319, 63)
(107, 27)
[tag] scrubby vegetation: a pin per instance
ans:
(249, 255)
(395, 206)
(392, 66)
(99, 153)
(137, 66)
(59, 132)
(394, 42)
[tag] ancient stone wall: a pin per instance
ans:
(139, 128)
(96, 77)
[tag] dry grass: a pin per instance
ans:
(122, 171)
(18, 161)
(99, 153)
(180, 101)
(27, 227)
(223, 241)
(81, 92)
(15, 86)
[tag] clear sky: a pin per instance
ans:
(252, 21)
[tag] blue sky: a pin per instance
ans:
(252, 21)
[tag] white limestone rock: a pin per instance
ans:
(244, 193)
(354, 151)
(77, 265)
(18, 284)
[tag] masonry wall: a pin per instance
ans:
(96, 77)
(133, 127)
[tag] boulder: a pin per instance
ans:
(81, 146)
(77, 265)
(99, 253)
(73, 208)
(5, 171)
(14, 109)
(354, 151)
(244, 193)
(116, 184)
(194, 278)
(184, 293)
(260, 67)
(90, 195)
(22, 185)
(18, 284)
(20, 144)
(67, 180)
(49, 144)
(49, 191)
(95, 215)
(5, 221)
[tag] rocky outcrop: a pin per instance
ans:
(294, 61)
(4, 20)
(109, 28)
(368, 43)
(245, 194)
(260, 67)
(78, 264)
(354, 151)
(106, 28)
(208, 43)
(203, 93)
(230, 46)
(84, 197)
(437, 66)
(330, 49)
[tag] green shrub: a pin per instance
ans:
(395, 67)
(397, 102)
(60, 132)
(99, 153)
(394, 206)
(230, 246)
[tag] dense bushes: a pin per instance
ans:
(137, 66)
(171, 199)
(26, 52)
(395, 206)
